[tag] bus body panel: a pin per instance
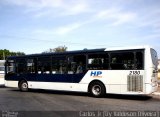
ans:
(107, 77)
(116, 81)
(11, 83)
(58, 86)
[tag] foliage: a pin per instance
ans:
(57, 49)
(4, 53)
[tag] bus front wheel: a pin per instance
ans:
(97, 89)
(23, 86)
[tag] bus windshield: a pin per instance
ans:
(154, 57)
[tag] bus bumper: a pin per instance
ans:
(151, 88)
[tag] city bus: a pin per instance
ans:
(2, 70)
(116, 70)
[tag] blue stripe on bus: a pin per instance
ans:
(68, 78)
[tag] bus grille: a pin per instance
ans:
(135, 83)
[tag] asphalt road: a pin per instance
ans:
(45, 102)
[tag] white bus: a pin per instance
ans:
(120, 70)
(2, 69)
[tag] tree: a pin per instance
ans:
(4, 53)
(60, 49)
(57, 49)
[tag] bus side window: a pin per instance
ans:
(59, 65)
(80, 68)
(98, 61)
(62, 66)
(139, 60)
(44, 65)
(10, 66)
(72, 67)
(20, 66)
(122, 61)
(76, 64)
(30, 66)
(81, 63)
(55, 65)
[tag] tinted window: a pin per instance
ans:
(127, 60)
(20, 65)
(98, 61)
(59, 65)
(44, 65)
(31, 67)
(10, 66)
(139, 61)
(76, 64)
(120, 61)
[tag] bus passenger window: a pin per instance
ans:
(139, 60)
(59, 65)
(98, 61)
(20, 66)
(76, 64)
(62, 66)
(72, 67)
(122, 61)
(80, 68)
(44, 65)
(10, 66)
(30, 66)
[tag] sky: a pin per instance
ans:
(35, 26)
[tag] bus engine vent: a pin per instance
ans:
(135, 83)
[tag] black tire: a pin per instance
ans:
(97, 89)
(23, 86)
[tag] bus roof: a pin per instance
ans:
(127, 48)
(82, 51)
(62, 53)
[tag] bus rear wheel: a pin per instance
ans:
(23, 86)
(97, 89)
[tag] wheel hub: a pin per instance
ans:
(96, 89)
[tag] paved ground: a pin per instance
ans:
(44, 102)
(48, 103)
